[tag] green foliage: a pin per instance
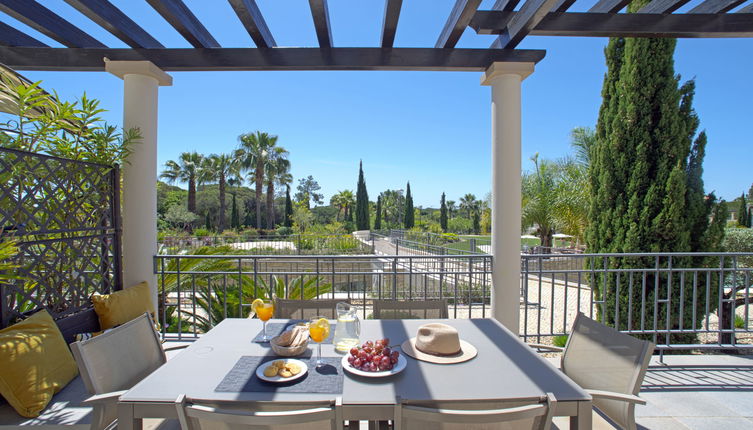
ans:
(202, 232)
(443, 213)
(302, 217)
(560, 341)
(186, 169)
(460, 225)
(235, 218)
(410, 217)
(257, 152)
(378, 218)
(284, 231)
(362, 202)
(288, 218)
(179, 217)
(739, 240)
(743, 216)
(307, 191)
(739, 322)
(8, 251)
(646, 191)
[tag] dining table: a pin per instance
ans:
(504, 369)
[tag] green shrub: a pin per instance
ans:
(560, 341)
(201, 232)
(739, 240)
(284, 231)
(739, 322)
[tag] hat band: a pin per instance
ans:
(439, 354)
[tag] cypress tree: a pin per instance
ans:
(288, 221)
(378, 220)
(207, 222)
(742, 212)
(362, 202)
(476, 222)
(443, 214)
(235, 220)
(409, 218)
(645, 174)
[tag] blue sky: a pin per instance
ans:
(429, 128)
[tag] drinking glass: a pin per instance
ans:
(264, 311)
(319, 331)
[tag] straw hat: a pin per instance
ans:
(438, 343)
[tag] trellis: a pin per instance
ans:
(65, 216)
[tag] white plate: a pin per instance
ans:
(399, 367)
(260, 370)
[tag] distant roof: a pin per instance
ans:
(510, 20)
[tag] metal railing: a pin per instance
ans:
(198, 291)
(297, 244)
(677, 300)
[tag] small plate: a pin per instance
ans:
(260, 370)
(399, 367)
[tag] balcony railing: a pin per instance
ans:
(679, 301)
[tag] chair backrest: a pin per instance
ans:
(306, 309)
(203, 415)
(535, 415)
(410, 309)
(598, 357)
(119, 358)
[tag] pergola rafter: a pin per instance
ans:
(185, 22)
(116, 22)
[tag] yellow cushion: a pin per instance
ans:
(36, 363)
(122, 306)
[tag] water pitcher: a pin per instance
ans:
(348, 327)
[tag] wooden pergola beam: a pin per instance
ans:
(48, 23)
(460, 16)
(608, 6)
(320, 13)
(622, 24)
(716, 6)
(525, 20)
(662, 6)
(9, 36)
(389, 23)
(112, 19)
(253, 21)
(562, 5)
(177, 14)
(277, 59)
(508, 5)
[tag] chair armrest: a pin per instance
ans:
(548, 347)
(611, 395)
(104, 397)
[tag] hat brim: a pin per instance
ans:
(467, 352)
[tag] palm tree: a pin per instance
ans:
(277, 165)
(450, 208)
(337, 201)
(221, 169)
(186, 169)
(349, 202)
(540, 199)
(255, 149)
(468, 202)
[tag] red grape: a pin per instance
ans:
(386, 351)
(384, 362)
(363, 354)
(372, 367)
(351, 359)
(386, 341)
(395, 354)
(368, 349)
(354, 351)
(357, 362)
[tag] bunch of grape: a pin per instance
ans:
(373, 356)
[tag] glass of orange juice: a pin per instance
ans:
(264, 309)
(319, 331)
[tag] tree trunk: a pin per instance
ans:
(192, 195)
(270, 205)
(221, 224)
(259, 179)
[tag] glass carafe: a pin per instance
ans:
(348, 327)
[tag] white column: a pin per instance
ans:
(141, 80)
(505, 80)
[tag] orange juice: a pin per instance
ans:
(265, 311)
(318, 333)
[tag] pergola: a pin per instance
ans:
(144, 64)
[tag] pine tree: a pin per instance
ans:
(288, 221)
(378, 220)
(362, 202)
(742, 212)
(443, 214)
(235, 220)
(409, 218)
(646, 189)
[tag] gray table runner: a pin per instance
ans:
(326, 379)
(275, 328)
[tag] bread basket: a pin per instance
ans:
(288, 351)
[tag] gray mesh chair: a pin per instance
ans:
(609, 365)
(306, 309)
(115, 361)
(410, 309)
(536, 416)
(193, 415)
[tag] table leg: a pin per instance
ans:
(582, 421)
(126, 420)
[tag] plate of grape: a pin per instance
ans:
(374, 360)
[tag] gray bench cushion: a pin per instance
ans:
(65, 409)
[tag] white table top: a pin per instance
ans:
(505, 368)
